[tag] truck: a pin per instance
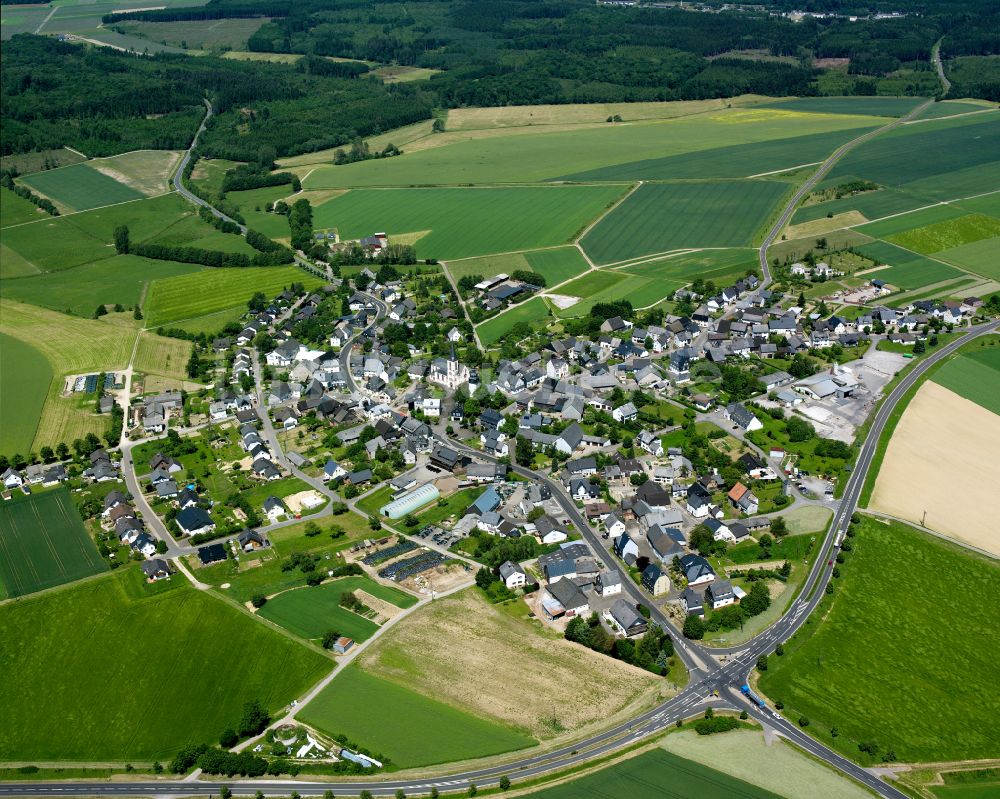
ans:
(752, 696)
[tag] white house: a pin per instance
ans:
(513, 575)
(625, 413)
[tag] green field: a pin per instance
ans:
(469, 221)
(947, 234)
(908, 269)
(662, 217)
(191, 231)
(975, 376)
(604, 285)
(16, 210)
(196, 34)
(556, 265)
(118, 279)
(25, 376)
(213, 290)
(403, 726)
(533, 310)
(882, 665)
(654, 775)
(951, 107)
(80, 187)
(978, 256)
(115, 670)
(311, 612)
(871, 204)
(902, 223)
(719, 266)
(872, 106)
(44, 544)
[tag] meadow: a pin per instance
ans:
(720, 266)
(870, 106)
(975, 376)
(162, 356)
(191, 231)
(947, 234)
(25, 376)
(115, 669)
(423, 731)
(908, 270)
(604, 285)
(904, 222)
(16, 210)
(647, 776)
(146, 171)
(212, 290)
(313, 611)
(533, 310)
(659, 218)
(978, 256)
(80, 187)
(556, 265)
(44, 543)
(884, 670)
(463, 222)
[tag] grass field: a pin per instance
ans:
(26, 163)
(533, 310)
(311, 612)
(556, 265)
(951, 107)
(25, 376)
(146, 171)
(118, 279)
(80, 187)
(423, 731)
(978, 256)
(947, 234)
(872, 106)
(871, 204)
(662, 217)
(975, 376)
(213, 290)
(908, 270)
(467, 222)
(653, 775)
(903, 223)
(884, 670)
(44, 544)
(718, 266)
(191, 231)
(113, 670)
(164, 356)
(16, 210)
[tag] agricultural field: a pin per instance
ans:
(530, 311)
(403, 74)
(647, 776)
(574, 688)
(948, 108)
(947, 234)
(25, 376)
(191, 231)
(659, 218)
(975, 376)
(866, 106)
(604, 285)
(423, 731)
(894, 682)
(146, 171)
(209, 34)
(16, 210)
(80, 187)
(718, 265)
(977, 256)
(212, 290)
(64, 659)
(163, 356)
(908, 270)
(313, 611)
(44, 543)
(463, 222)
(556, 265)
(26, 163)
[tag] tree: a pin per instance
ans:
(694, 628)
(473, 790)
(255, 718)
(400, 793)
(778, 526)
(225, 793)
(504, 783)
(366, 795)
(121, 239)
(259, 600)
(330, 638)
(229, 738)
(137, 313)
(919, 347)
(762, 663)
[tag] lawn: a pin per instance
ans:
(881, 668)
(117, 279)
(44, 543)
(908, 270)
(315, 610)
(213, 290)
(25, 376)
(653, 775)
(80, 187)
(464, 222)
(115, 670)
(662, 217)
(422, 731)
(978, 256)
(492, 330)
(975, 376)
(791, 548)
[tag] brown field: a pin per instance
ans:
(163, 356)
(817, 227)
(476, 656)
(942, 460)
(146, 171)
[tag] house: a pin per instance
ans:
(569, 439)
(194, 521)
(625, 413)
(582, 467)
(742, 417)
(549, 530)
(341, 645)
(359, 477)
(166, 489)
(251, 540)
(614, 525)
(112, 500)
(720, 594)
(156, 569)
(333, 471)
(693, 604)
(488, 501)
(625, 619)
(570, 598)
(719, 531)
(582, 490)
(513, 575)
(655, 580)
(650, 442)
(213, 553)
(625, 548)
(743, 499)
(495, 443)
(608, 583)
(445, 457)
(145, 544)
(186, 498)
(696, 569)
(699, 500)
(274, 508)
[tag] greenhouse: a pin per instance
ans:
(409, 502)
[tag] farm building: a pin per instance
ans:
(409, 502)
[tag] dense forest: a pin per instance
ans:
(489, 52)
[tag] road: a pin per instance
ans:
(936, 58)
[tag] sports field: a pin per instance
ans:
(882, 665)
(909, 270)
(311, 612)
(43, 543)
(469, 221)
(653, 775)
(422, 731)
(662, 217)
(212, 290)
(25, 376)
(80, 187)
(533, 310)
(115, 670)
